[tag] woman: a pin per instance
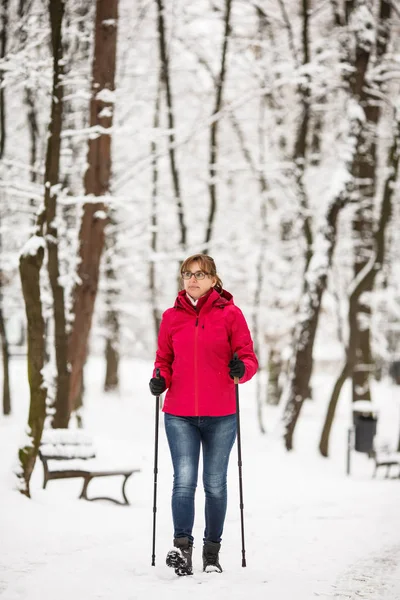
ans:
(197, 340)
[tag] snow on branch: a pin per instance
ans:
(363, 26)
(105, 95)
(33, 245)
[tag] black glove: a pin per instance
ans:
(157, 385)
(236, 368)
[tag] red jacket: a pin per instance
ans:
(193, 353)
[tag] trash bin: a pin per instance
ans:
(365, 419)
(394, 371)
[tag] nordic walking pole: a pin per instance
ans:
(239, 447)
(153, 556)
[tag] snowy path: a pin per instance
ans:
(311, 532)
(104, 557)
(377, 578)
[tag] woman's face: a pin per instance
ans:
(198, 287)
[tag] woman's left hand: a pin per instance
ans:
(236, 368)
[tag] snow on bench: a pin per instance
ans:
(70, 453)
(385, 456)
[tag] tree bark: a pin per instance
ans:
(97, 185)
(371, 237)
(6, 359)
(154, 222)
(365, 174)
(111, 382)
(166, 78)
(30, 264)
(33, 133)
(213, 157)
(300, 149)
(300, 369)
(365, 281)
(337, 12)
(3, 137)
(3, 50)
(356, 86)
(56, 9)
(317, 265)
(4, 341)
(29, 100)
(274, 373)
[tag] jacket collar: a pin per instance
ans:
(213, 300)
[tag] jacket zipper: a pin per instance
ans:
(196, 391)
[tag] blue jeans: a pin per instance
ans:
(216, 436)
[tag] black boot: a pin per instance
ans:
(211, 557)
(180, 558)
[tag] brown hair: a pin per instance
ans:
(207, 265)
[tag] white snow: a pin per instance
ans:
(66, 436)
(365, 406)
(311, 532)
(106, 95)
(106, 112)
(33, 245)
(100, 215)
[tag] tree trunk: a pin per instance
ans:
(3, 137)
(165, 70)
(213, 157)
(337, 12)
(300, 369)
(33, 133)
(366, 279)
(365, 174)
(6, 362)
(111, 382)
(112, 362)
(274, 373)
(265, 195)
(300, 149)
(56, 9)
(356, 84)
(97, 185)
(78, 413)
(154, 224)
(4, 350)
(3, 50)
(29, 100)
(30, 264)
(297, 388)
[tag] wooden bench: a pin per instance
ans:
(388, 460)
(70, 453)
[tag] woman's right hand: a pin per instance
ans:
(157, 385)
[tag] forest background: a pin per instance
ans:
(134, 134)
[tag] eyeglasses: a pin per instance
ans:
(197, 275)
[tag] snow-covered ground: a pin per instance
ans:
(311, 531)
